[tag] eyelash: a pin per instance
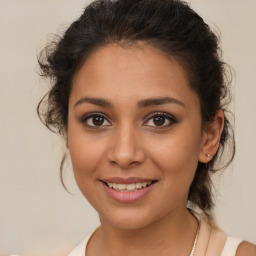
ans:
(85, 119)
(171, 120)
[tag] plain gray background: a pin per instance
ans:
(37, 217)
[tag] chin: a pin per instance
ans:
(131, 224)
(129, 220)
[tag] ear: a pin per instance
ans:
(211, 138)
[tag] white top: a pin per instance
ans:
(228, 250)
(231, 246)
(80, 249)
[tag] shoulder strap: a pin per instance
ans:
(211, 239)
(231, 246)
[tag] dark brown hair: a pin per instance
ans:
(169, 25)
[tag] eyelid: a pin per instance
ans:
(85, 117)
(168, 116)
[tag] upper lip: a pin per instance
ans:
(128, 180)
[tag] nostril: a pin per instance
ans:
(123, 164)
(124, 161)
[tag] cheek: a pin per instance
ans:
(85, 160)
(177, 157)
(85, 154)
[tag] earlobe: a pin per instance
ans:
(211, 138)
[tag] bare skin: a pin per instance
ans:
(132, 113)
(246, 248)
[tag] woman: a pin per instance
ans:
(139, 93)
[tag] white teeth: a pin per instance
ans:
(129, 187)
(121, 186)
(144, 184)
(138, 185)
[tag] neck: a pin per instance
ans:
(174, 233)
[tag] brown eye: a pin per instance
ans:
(95, 120)
(159, 120)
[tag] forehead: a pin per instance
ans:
(139, 70)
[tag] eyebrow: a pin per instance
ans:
(141, 104)
(95, 101)
(158, 101)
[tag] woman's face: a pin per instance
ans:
(134, 134)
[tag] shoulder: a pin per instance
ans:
(246, 248)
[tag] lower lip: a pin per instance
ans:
(127, 197)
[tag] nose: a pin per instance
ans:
(126, 150)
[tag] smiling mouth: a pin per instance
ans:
(132, 187)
